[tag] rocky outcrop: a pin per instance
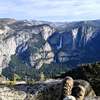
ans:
(47, 90)
(7, 46)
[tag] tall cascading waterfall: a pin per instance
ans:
(60, 43)
(74, 35)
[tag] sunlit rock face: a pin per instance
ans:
(7, 45)
(47, 31)
(43, 55)
(7, 49)
(36, 43)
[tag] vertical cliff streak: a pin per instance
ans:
(74, 34)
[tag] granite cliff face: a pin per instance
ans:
(36, 43)
(25, 40)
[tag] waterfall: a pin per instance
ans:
(60, 44)
(74, 34)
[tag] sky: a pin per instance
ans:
(50, 10)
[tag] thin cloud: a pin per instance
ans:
(51, 10)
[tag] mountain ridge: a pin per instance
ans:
(35, 43)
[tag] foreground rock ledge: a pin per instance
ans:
(48, 90)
